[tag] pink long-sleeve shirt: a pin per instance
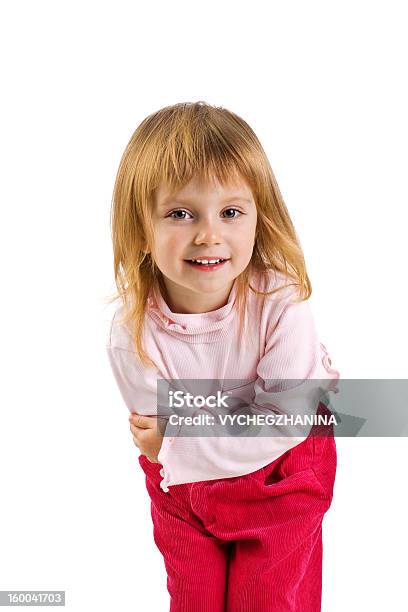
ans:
(281, 343)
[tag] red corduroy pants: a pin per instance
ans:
(250, 543)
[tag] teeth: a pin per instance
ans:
(207, 261)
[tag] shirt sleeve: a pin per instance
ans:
(137, 383)
(292, 374)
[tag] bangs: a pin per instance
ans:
(201, 142)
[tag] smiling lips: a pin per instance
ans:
(207, 266)
(207, 258)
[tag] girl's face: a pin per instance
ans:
(203, 221)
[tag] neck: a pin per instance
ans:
(192, 303)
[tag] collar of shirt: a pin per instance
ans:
(198, 327)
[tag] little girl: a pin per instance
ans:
(212, 285)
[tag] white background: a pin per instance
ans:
(323, 84)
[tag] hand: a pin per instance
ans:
(147, 435)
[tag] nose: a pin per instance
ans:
(208, 233)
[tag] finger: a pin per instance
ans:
(136, 431)
(142, 421)
(151, 459)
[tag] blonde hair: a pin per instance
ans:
(171, 146)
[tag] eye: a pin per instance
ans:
(180, 210)
(236, 209)
(177, 211)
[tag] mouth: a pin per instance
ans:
(205, 267)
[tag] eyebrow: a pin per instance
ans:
(174, 199)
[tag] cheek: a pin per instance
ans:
(244, 239)
(165, 237)
(167, 244)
